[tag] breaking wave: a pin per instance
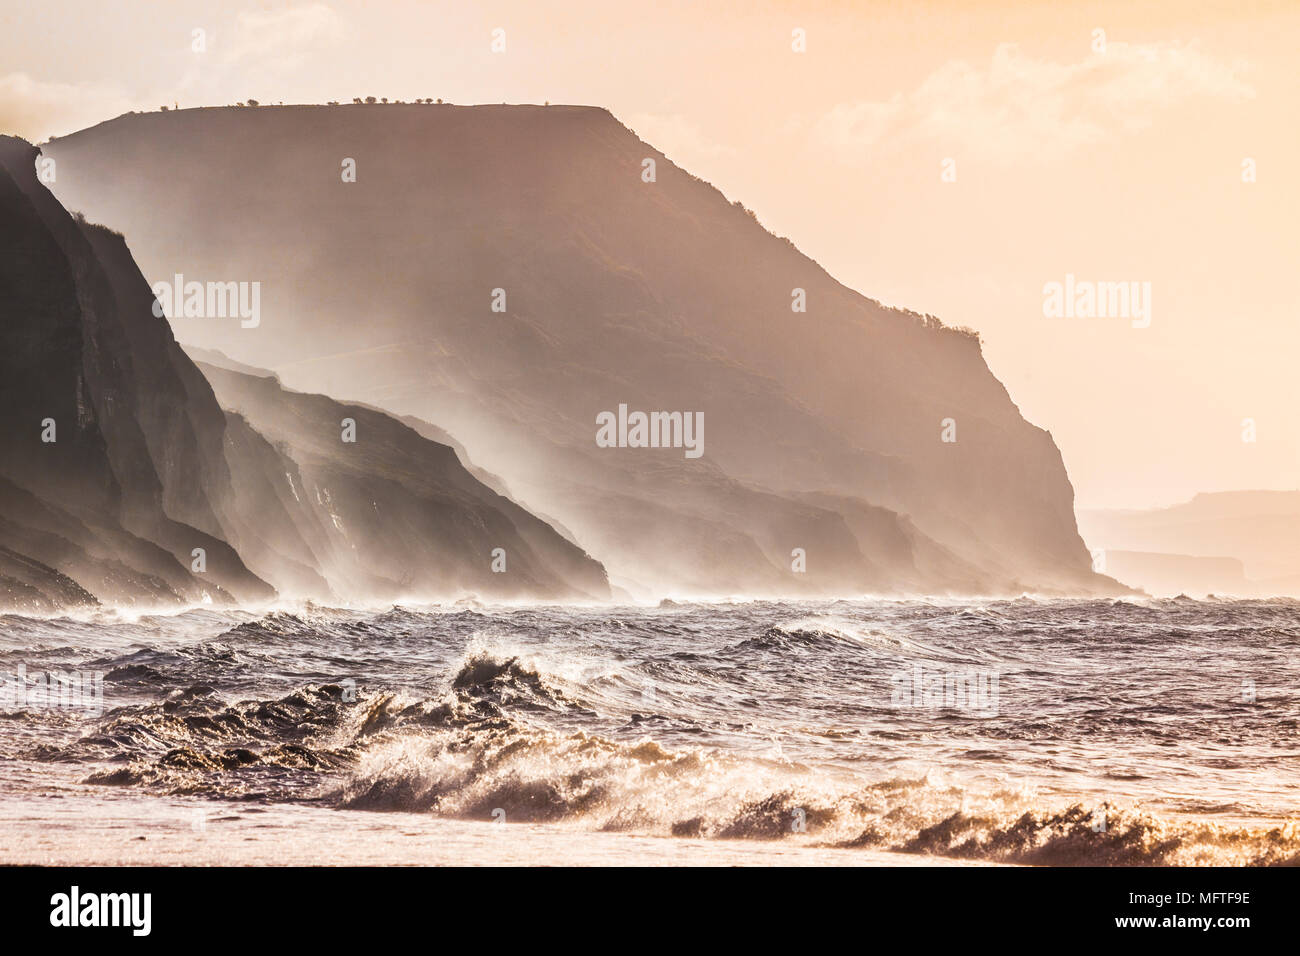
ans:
(705, 723)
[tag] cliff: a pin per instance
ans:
(659, 295)
(118, 465)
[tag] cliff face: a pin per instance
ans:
(117, 462)
(390, 514)
(823, 429)
(82, 496)
(1243, 543)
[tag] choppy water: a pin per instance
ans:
(1107, 732)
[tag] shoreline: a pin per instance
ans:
(90, 830)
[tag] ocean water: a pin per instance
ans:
(1026, 731)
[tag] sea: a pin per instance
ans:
(913, 732)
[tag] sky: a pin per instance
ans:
(951, 158)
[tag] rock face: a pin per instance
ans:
(117, 463)
(509, 273)
(94, 420)
(1244, 543)
(390, 514)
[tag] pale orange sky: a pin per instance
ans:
(1122, 165)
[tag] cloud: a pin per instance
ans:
(36, 110)
(261, 52)
(284, 37)
(1019, 107)
(262, 49)
(677, 137)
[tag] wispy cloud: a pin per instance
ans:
(680, 139)
(36, 109)
(1018, 107)
(262, 49)
(284, 37)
